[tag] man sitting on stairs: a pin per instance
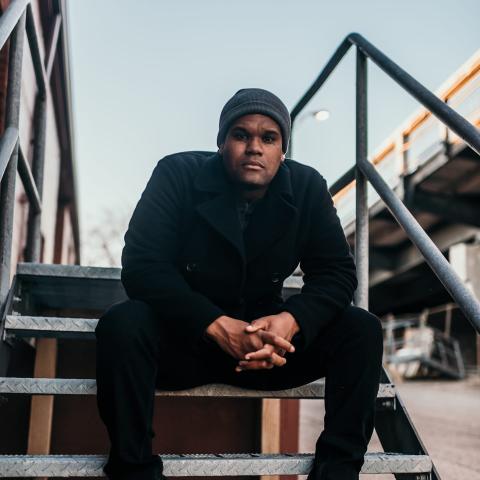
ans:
(206, 252)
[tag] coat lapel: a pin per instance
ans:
(272, 216)
(220, 211)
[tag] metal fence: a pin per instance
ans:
(17, 20)
(364, 171)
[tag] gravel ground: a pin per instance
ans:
(445, 413)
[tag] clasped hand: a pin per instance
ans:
(260, 344)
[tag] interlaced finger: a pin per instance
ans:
(263, 358)
(254, 365)
(275, 361)
(263, 354)
(277, 340)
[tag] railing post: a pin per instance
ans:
(32, 251)
(7, 194)
(361, 227)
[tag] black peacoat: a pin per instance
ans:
(187, 257)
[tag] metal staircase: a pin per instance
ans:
(77, 295)
(83, 293)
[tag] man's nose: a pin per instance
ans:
(254, 145)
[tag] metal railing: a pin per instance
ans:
(14, 22)
(364, 171)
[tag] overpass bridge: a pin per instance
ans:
(437, 176)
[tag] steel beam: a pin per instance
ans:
(7, 193)
(10, 18)
(32, 250)
(28, 182)
(8, 143)
(347, 178)
(36, 56)
(322, 78)
(52, 48)
(396, 432)
(361, 198)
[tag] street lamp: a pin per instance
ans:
(321, 115)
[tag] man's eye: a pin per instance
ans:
(268, 139)
(239, 136)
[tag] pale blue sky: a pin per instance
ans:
(150, 77)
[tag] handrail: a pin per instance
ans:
(440, 109)
(7, 144)
(462, 127)
(10, 18)
(434, 257)
(343, 181)
(365, 170)
(8, 22)
(17, 20)
(39, 68)
(28, 182)
(12, 117)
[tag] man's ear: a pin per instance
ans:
(283, 157)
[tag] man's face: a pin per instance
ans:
(252, 151)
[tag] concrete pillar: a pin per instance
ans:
(465, 259)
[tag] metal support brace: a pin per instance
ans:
(397, 432)
(361, 229)
(7, 145)
(38, 65)
(7, 194)
(32, 252)
(10, 19)
(28, 181)
(52, 49)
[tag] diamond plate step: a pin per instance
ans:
(68, 271)
(206, 465)
(40, 326)
(76, 287)
(103, 273)
(67, 386)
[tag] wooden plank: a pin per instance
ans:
(41, 409)
(271, 427)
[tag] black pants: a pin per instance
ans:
(134, 355)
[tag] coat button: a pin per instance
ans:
(192, 267)
(275, 277)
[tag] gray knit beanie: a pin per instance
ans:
(255, 100)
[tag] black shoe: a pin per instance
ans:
(145, 473)
(325, 471)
